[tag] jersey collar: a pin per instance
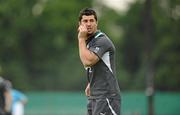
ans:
(93, 36)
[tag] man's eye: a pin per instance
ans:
(92, 20)
(85, 21)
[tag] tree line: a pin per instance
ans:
(39, 49)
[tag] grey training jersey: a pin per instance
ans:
(102, 75)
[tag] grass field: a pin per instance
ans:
(74, 103)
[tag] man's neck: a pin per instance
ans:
(93, 34)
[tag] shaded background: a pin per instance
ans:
(39, 50)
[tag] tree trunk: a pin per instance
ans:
(149, 67)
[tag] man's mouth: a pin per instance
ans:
(89, 29)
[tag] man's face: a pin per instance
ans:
(90, 23)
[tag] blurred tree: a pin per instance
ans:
(39, 47)
(165, 48)
(167, 44)
(38, 43)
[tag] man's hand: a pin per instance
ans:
(82, 32)
(87, 90)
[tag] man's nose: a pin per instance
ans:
(88, 23)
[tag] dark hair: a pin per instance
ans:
(87, 12)
(5, 83)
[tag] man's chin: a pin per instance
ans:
(89, 33)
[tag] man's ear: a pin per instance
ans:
(97, 24)
(79, 23)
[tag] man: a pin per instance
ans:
(97, 54)
(5, 97)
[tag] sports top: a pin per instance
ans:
(102, 75)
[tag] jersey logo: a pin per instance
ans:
(96, 49)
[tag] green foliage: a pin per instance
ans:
(165, 47)
(38, 43)
(39, 50)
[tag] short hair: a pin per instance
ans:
(87, 11)
(5, 83)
